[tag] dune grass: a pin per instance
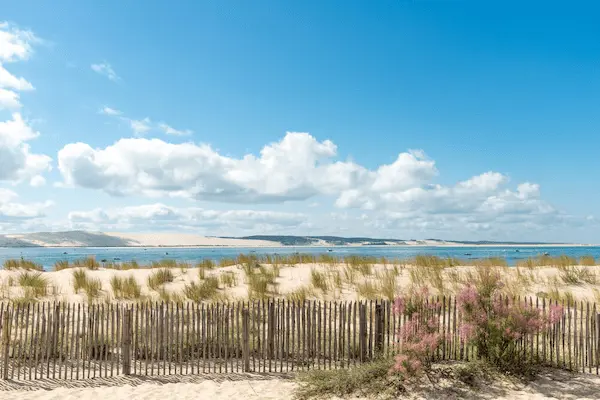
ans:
(203, 291)
(319, 280)
(89, 263)
(574, 275)
(228, 279)
(159, 278)
(125, 288)
(33, 284)
(301, 294)
(13, 265)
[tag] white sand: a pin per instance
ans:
(183, 239)
(552, 384)
(245, 389)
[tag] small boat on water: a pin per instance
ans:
(330, 250)
(467, 254)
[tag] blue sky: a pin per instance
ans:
(454, 119)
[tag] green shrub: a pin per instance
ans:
(370, 380)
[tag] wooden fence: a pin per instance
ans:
(77, 341)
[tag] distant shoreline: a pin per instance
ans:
(454, 245)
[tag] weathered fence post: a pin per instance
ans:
(363, 332)
(378, 330)
(126, 342)
(5, 341)
(246, 339)
(598, 341)
(271, 332)
(55, 330)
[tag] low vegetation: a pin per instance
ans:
(159, 278)
(125, 288)
(13, 265)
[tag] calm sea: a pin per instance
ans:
(48, 256)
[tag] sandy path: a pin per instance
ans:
(553, 384)
(244, 389)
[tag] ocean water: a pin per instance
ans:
(48, 256)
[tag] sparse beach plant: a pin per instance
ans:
(61, 264)
(92, 289)
(79, 279)
(202, 291)
(318, 280)
(366, 290)
(159, 278)
(228, 279)
(33, 284)
(301, 294)
(12, 264)
(588, 261)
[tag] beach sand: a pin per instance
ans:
(551, 384)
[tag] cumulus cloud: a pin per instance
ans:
(162, 217)
(17, 162)
(106, 70)
(15, 45)
(11, 210)
(296, 168)
(299, 167)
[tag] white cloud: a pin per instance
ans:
(105, 69)
(109, 111)
(299, 167)
(11, 210)
(169, 130)
(15, 45)
(17, 162)
(9, 100)
(295, 168)
(162, 217)
(140, 126)
(9, 81)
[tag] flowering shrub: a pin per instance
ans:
(495, 325)
(419, 336)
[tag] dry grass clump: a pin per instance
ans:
(12, 265)
(91, 286)
(588, 261)
(170, 296)
(159, 278)
(319, 280)
(387, 285)
(573, 275)
(227, 262)
(123, 266)
(205, 290)
(547, 261)
(228, 279)
(301, 294)
(429, 276)
(89, 263)
(435, 261)
(367, 290)
(164, 264)
(61, 264)
(33, 284)
(126, 288)
(491, 262)
(261, 281)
